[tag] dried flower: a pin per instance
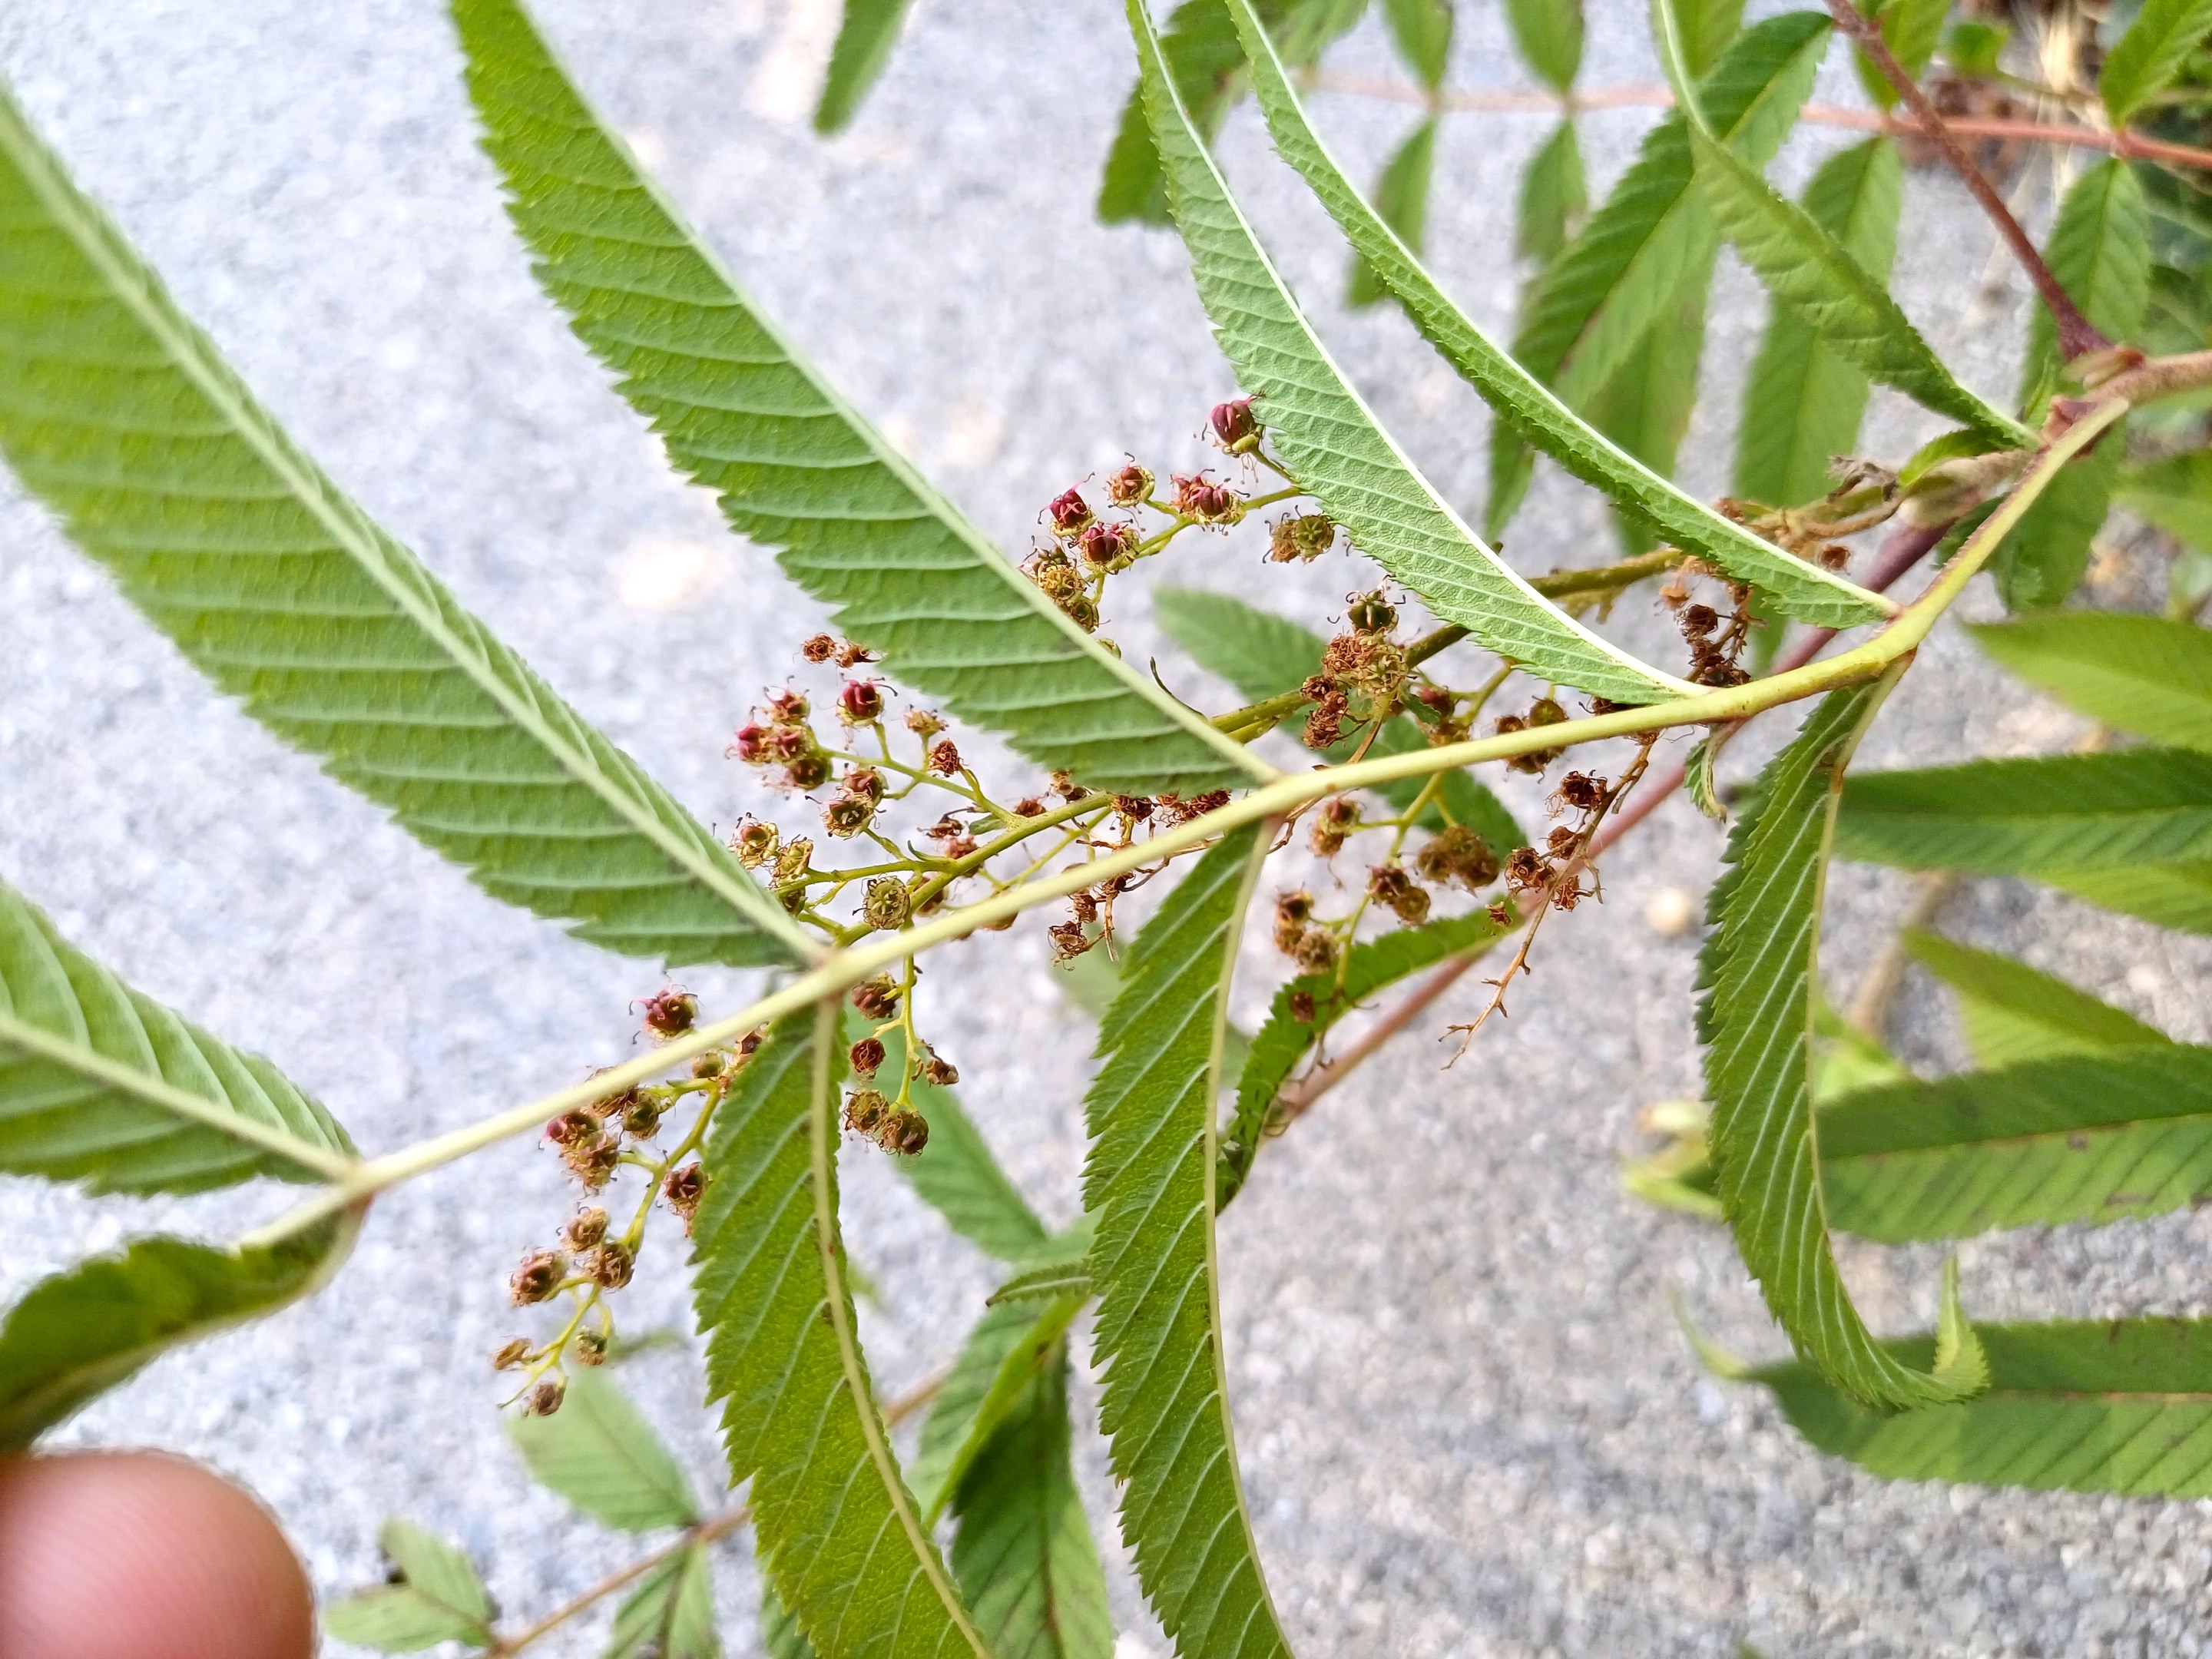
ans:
(545, 1398)
(866, 1056)
(755, 843)
(1130, 486)
(671, 1014)
(511, 1354)
(886, 903)
(538, 1277)
(820, 648)
(585, 1229)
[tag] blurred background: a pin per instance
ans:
(1468, 1423)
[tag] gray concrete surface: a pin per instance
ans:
(1469, 1424)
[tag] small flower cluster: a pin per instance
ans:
(1555, 871)
(1362, 672)
(1716, 639)
(1545, 711)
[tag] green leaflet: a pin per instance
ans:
(1803, 591)
(1402, 199)
(1150, 1183)
(1046, 1282)
(1422, 32)
(2063, 813)
(2118, 1406)
(2010, 1013)
(2100, 251)
(78, 1333)
(1755, 1019)
(2144, 675)
(1330, 441)
(102, 1085)
(2145, 60)
(1555, 196)
(842, 1538)
(601, 1455)
(1590, 308)
(780, 1633)
(1207, 65)
(2175, 493)
(1549, 33)
(670, 1614)
(796, 467)
(1806, 268)
(1264, 655)
(119, 414)
(1646, 407)
(2178, 896)
(1911, 29)
(955, 1173)
(1285, 1039)
(1024, 1553)
(2091, 1138)
(1010, 1346)
(1708, 28)
(439, 1598)
(865, 39)
(1803, 400)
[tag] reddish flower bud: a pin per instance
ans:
(1069, 513)
(671, 1014)
(789, 707)
(860, 701)
(863, 783)
(1235, 427)
(1204, 502)
(751, 744)
(1103, 543)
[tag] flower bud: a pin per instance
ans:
(1103, 543)
(789, 707)
(710, 1064)
(1204, 502)
(579, 1128)
(1069, 513)
(1235, 427)
(860, 702)
(1372, 613)
(867, 1055)
(671, 1014)
(751, 744)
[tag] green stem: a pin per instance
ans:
(847, 967)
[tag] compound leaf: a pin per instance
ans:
(1306, 1008)
(1264, 655)
(865, 39)
(2146, 59)
(118, 413)
(1024, 1553)
(2012, 1013)
(78, 1333)
(2110, 811)
(1756, 1020)
(797, 468)
(2116, 1406)
(2073, 1138)
(841, 1538)
(439, 1598)
(103, 1085)
(1401, 198)
(1591, 307)
(1803, 401)
(2148, 676)
(600, 1455)
(1802, 589)
(1331, 442)
(1151, 1183)
(670, 1614)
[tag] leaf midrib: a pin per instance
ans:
(822, 1167)
(306, 490)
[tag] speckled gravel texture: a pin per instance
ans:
(1469, 1425)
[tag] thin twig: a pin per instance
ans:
(1538, 101)
(2077, 334)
